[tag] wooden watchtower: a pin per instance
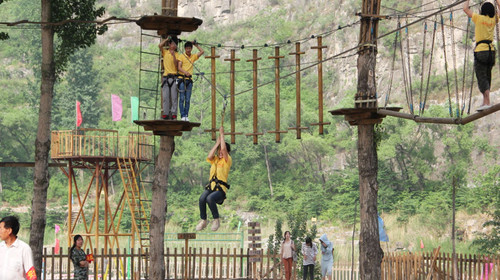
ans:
(91, 211)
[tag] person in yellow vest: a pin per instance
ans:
(186, 62)
(484, 53)
(215, 192)
(169, 79)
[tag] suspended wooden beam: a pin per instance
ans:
(255, 132)
(212, 58)
(233, 60)
(458, 121)
(167, 127)
(29, 164)
(320, 48)
(297, 54)
(276, 58)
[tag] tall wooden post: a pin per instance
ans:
(212, 58)
(370, 253)
(159, 207)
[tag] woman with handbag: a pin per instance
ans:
(287, 252)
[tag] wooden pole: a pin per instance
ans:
(370, 253)
(233, 59)
(320, 48)
(255, 132)
(159, 207)
(212, 58)
(297, 54)
(276, 58)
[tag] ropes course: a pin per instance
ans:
(424, 17)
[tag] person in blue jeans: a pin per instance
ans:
(185, 81)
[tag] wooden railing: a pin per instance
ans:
(420, 265)
(235, 264)
(100, 143)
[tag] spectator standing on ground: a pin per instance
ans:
(309, 251)
(16, 258)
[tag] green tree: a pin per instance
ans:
(71, 36)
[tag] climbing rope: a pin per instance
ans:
(454, 64)
(403, 66)
(430, 66)
(446, 67)
(422, 72)
(466, 61)
(394, 46)
(410, 97)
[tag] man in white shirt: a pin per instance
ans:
(16, 259)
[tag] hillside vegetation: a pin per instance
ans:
(315, 176)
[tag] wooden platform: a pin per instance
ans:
(359, 116)
(169, 25)
(167, 127)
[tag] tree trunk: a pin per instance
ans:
(370, 253)
(268, 166)
(159, 207)
(42, 142)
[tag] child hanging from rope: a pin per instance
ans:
(484, 53)
(186, 62)
(169, 79)
(215, 191)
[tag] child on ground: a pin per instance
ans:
(186, 62)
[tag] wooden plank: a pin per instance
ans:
(254, 238)
(254, 231)
(186, 235)
(254, 245)
(255, 252)
(254, 224)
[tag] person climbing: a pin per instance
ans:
(169, 79)
(326, 257)
(186, 62)
(215, 191)
(484, 53)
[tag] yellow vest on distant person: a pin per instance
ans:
(168, 62)
(188, 61)
(484, 30)
(220, 168)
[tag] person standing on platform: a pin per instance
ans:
(186, 63)
(169, 78)
(16, 258)
(484, 53)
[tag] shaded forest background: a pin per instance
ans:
(315, 177)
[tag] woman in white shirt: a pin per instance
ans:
(309, 251)
(287, 248)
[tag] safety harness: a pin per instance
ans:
(217, 187)
(491, 59)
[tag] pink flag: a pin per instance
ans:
(116, 107)
(78, 114)
(57, 246)
(58, 228)
(421, 244)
